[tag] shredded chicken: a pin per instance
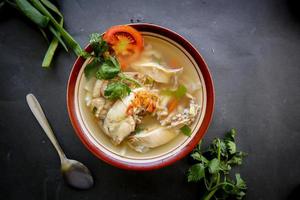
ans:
(185, 118)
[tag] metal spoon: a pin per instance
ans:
(75, 173)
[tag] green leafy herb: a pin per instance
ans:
(116, 90)
(138, 129)
(91, 68)
(98, 44)
(109, 69)
(178, 93)
(186, 130)
(124, 77)
(213, 167)
(196, 172)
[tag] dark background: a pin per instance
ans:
(253, 50)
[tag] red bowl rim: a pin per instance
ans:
(173, 158)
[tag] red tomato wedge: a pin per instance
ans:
(127, 43)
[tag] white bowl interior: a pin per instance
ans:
(169, 50)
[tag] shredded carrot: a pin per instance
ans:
(173, 63)
(143, 99)
(129, 110)
(172, 104)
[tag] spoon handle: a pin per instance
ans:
(37, 111)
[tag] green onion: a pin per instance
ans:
(186, 130)
(32, 13)
(57, 35)
(67, 37)
(50, 52)
(52, 7)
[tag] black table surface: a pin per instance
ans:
(253, 51)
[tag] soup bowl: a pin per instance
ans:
(171, 45)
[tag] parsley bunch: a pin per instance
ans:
(213, 167)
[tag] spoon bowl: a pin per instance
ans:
(74, 172)
(77, 174)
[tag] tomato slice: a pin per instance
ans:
(127, 43)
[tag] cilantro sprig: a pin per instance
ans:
(213, 166)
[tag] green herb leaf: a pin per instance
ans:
(116, 90)
(237, 158)
(196, 172)
(124, 77)
(138, 129)
(109, 69)
(225, 167)
(197, 156)
(98, 44)
(231, 147)
(186, 130)
(215, 145)
(214, 166)
(230, 135)
(91, 68)
(178, 93)
(240, 183)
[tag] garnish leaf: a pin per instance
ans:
(230, 135)
(109, 69)
(231, 147)
(98, 44)
(186, 130)
(240, 183)
(116, 90)
(196, 172)
(214, 166)
(178, 93)
(138, 129)
(91, 68)
(197, 156)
